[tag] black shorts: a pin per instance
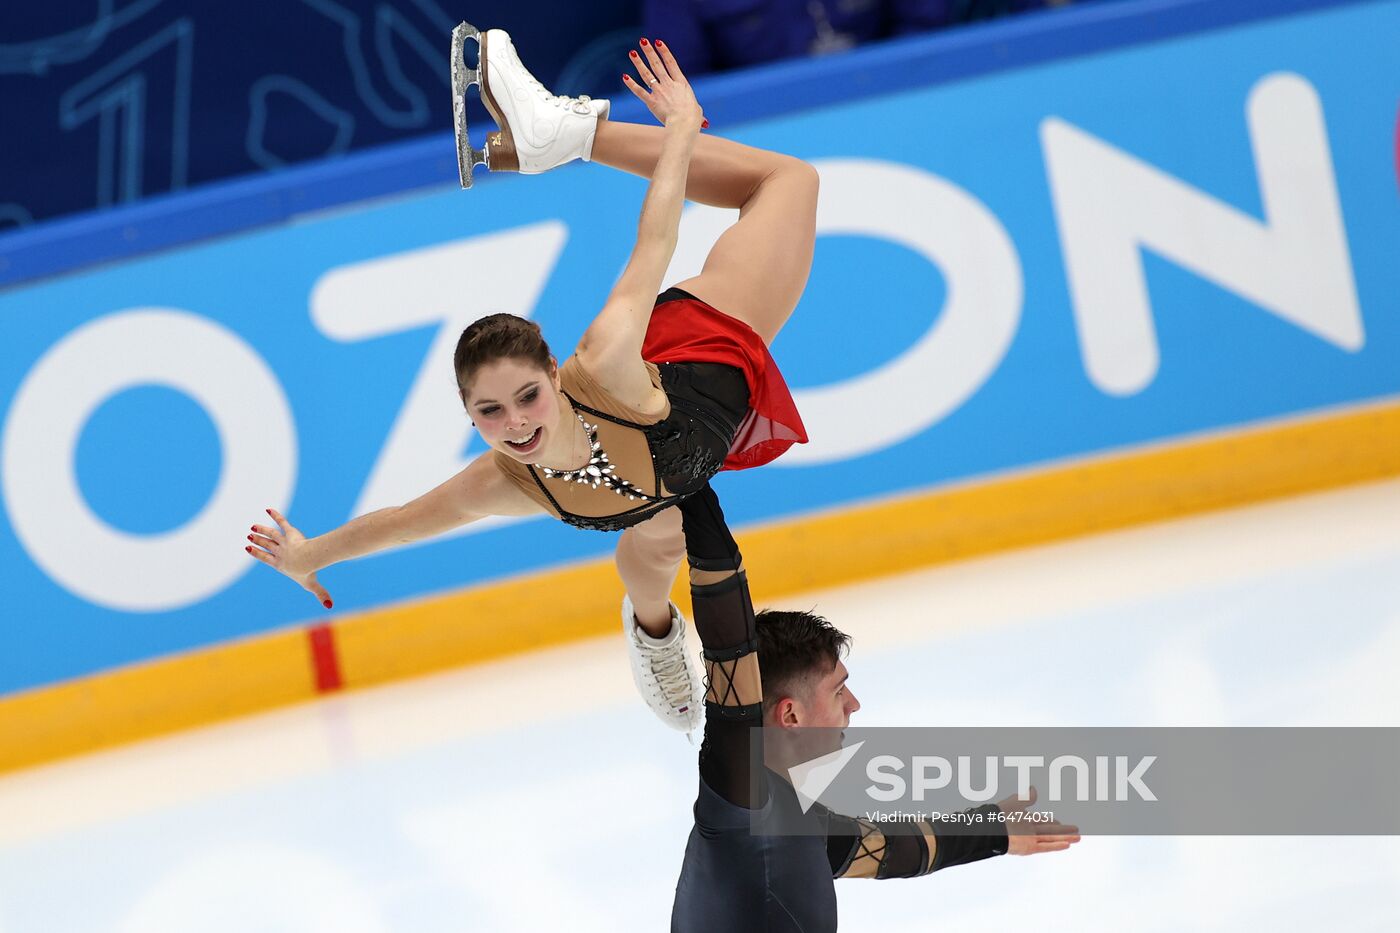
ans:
(708, 403)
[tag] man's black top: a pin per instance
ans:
(734, 879)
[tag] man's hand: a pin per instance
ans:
(1027, 837)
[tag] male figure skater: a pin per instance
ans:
(734, 878)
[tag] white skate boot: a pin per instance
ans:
(664, 670)
(538, 130)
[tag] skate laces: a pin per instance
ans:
(671, 673)
(578, 104)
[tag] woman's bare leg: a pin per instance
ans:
(648, 556)
(758, 268)
(755, 272)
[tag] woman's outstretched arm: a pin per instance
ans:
(611, 347)
(475, 493)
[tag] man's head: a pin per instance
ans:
(804, 679)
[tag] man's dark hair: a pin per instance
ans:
(793, 645)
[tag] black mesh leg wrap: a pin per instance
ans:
(724, 616)
(729, 612)
(727, 631)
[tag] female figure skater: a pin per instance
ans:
(661, 392)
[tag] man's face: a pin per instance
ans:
(830, 702)
(820, 701)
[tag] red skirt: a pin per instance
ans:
(686, 330)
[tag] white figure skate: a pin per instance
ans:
(538, 130)
(664, 671)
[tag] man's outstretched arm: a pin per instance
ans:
(860, 849)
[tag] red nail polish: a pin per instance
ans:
(660, 44)
(248, 549)
(327, 604)
(250, 537)
(625, 79)
(633, 54)
(645, 42)
(705, 125)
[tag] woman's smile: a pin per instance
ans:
(528, 444)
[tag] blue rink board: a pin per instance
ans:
(148, 457)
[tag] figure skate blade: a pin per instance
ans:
(463, 78)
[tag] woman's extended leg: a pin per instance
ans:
(758, 268)
(648, 556)
(664, 669)
(755, 272)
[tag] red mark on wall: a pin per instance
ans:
(324, 661)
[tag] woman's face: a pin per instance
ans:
(515, 405)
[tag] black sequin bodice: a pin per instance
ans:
(708, 403)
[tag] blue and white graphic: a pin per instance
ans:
(109, 102)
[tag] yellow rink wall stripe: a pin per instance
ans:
(815, 551)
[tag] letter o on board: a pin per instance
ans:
(178, 350)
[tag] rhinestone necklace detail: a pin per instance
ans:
(599, 471)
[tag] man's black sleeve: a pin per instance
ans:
(724, 620)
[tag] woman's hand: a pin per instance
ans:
(285, 550)
(663, 88)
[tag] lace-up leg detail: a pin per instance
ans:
(724, 614)
(724, 620)
(734, 688)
